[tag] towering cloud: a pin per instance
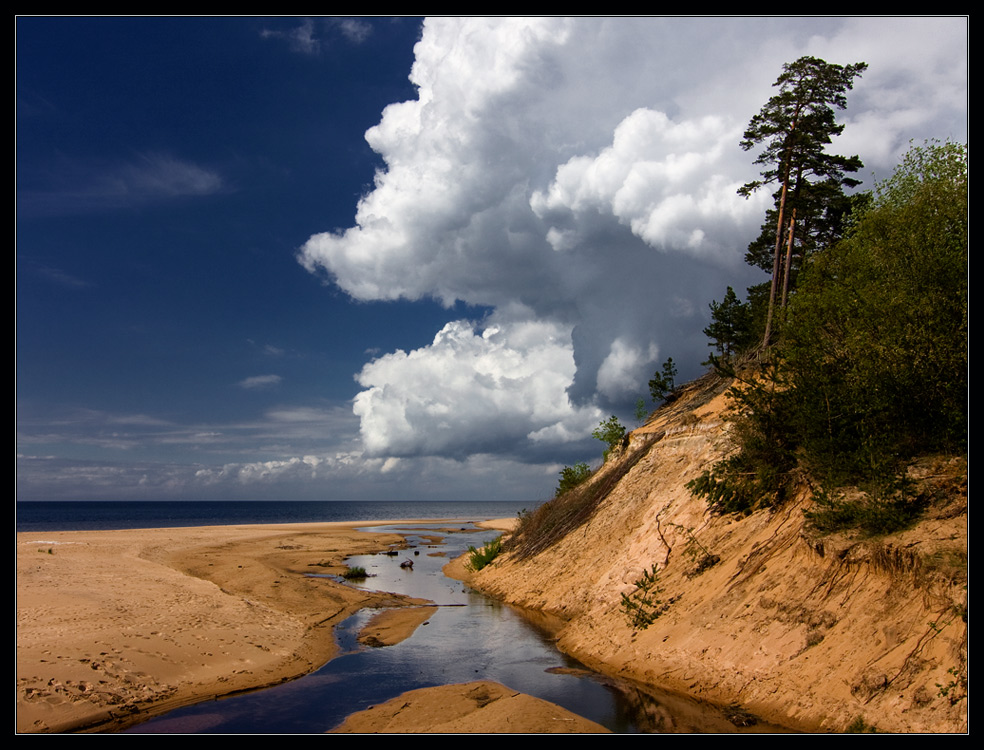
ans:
(578, 177)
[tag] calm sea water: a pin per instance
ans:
(89, 515)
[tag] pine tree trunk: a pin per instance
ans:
(775, 266)
(782, 209)
(789, 260)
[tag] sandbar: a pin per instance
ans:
(116, 626)
(392, 626)
(473, 707)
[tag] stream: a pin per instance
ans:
(470, 637)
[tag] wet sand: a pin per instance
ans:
(116, 626)
(392, 626)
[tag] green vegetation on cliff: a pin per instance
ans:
(868, 368)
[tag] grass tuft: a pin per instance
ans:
(479, 558)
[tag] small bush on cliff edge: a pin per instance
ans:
(611, 432)
(571, 477)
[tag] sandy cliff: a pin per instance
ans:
(809, 633)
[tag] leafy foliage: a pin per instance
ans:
(955, 690)
(663, 383)
(876, 339)
(642, 607)
(761, 472)
(870, 369)
(611, 432)
(860, 726)
(879, 513)
(572, 476)
(480, 558)
(356, 573)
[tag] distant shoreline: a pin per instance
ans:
(78, 515)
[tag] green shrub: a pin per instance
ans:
(571, 477)
(860, 726)
(761, 473)
(355, 573)
(642, 607)
(611, 432)
(884, 512)
(875, 342)
(955, 690)
(479, 558)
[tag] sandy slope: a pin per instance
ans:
(806, 633)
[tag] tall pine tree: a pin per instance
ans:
(795, 126)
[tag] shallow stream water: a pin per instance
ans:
(470, 637)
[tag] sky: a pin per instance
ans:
(395, 258)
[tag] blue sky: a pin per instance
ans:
(374, 258)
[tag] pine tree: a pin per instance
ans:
(795, 125)
(663, 384)
(731, 322)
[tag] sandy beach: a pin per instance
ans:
(116, 626)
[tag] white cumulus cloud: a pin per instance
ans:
(472, 390)
(669, 182)
(580, 174)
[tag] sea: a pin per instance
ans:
(105, 515)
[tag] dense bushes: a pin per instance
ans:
(882, 513)
(870, 365)
(876, 339)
